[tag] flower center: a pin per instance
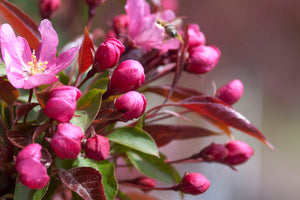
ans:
(35, 66)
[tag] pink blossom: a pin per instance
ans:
(231, 92)
(26, 69)
(66, 141)
(238, 152)
(32, 173)
(144, 32)
(47, 7)
(61, 105)
(97, 147)
(194, 183)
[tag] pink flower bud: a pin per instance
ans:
(194, 183)
(94, 3)
(97, 148)
(48, 7)
(203, 59)
(120, 23)
(32, 173)
(144, 181)
(238, 152)
(214, 152)
(196, 37)
(66, 141)
(132, 104)
(108, 54)
(231, 92)
(129, 75)
(61, 104)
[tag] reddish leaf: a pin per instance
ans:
(21, 135)
(221, 126)
(38, 132)
(85, 57)
(8, 93)
(179, 93)
(163, 134)
(85, 181)
(223, 113)
(23, 109)
(21, 22)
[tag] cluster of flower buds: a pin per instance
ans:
(32, 173)
(231, 92)
(194, 183)
(233, 152)
(202, 58)
(48, 7)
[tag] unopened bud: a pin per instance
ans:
(194, 183)
(120, 23)
(66, 141)
(238, 152)
(32, 173)
(231, 92)
(129, 75)
(203, 59)
(132, 104)
(97, 148)
(145, 181)
(214, 152)
(108, 54)
(48, 7)
(195, 36)
(61, 105)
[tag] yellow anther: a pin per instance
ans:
(35, 66)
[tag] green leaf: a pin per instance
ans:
(2, 69)
(101, 83)
(134, 138)
(90, 108)
(107, 170)
(152, 166)
(63, 78)
(51, 189)
(121, 195)
(24, 193)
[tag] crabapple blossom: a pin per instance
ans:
(132, 104)
(48, 7)
(32, 173)
(231, 92)
(238, 152)
(214, 152)
(108, 54)
(129, 75)
(26, 69)
(194, 183)
(61, 105)
(97, 148)
(203, 59)
(66, 141)
(195, 36)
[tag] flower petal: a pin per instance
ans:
(47, 48)
(39, 79)
(63, 60)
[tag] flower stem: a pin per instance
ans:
(142, 187)
(29, 100)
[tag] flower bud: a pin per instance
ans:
(66, 141)
(32, 173)
(108, 54)
(132, 104)
(203, 59)
(194, 183)
(94, 3)
(120, 23)
(238, 152)
(97, 148)
(231, 92)
(61, 104)
(144, 181)
(214, 152)
(195, 36)
(129, 75)
(48, 7)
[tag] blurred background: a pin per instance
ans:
(260, 45)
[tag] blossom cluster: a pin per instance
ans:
(72, 127)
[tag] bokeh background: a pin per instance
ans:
(260, 45)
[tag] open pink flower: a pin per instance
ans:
(26, 69)
(144, 32)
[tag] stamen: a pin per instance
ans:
(35, 66)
